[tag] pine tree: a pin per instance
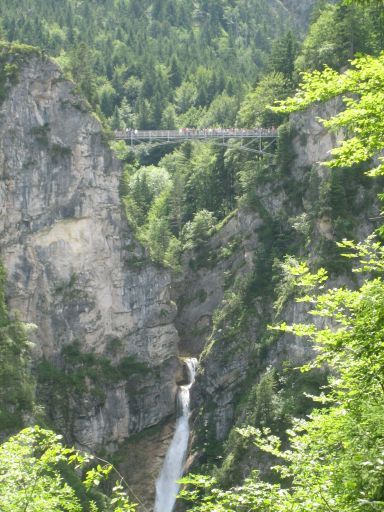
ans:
(175, 73)
(283, 56)
(82, 73)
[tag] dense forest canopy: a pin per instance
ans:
(144, 61)
(153, 64)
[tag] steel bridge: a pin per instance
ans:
(147, 139)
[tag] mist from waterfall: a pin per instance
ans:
(167, 487)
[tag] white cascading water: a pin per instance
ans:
(167, 487)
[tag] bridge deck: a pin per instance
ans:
(191, 133)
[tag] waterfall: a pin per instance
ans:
(172, 470)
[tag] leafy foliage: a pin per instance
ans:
(337, 34)
(254, 111)
(362, 118)
(197, 231)
(32, 464)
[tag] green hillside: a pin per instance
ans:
(154, 59)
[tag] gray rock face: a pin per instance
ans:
(202, 287)
(67, 251)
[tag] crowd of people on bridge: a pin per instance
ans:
(226, 131)
(271, 131)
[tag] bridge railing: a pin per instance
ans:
(194, 133)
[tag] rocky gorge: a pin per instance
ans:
(110, 325)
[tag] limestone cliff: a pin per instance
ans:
(68, 254)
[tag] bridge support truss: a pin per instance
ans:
(148, 139)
